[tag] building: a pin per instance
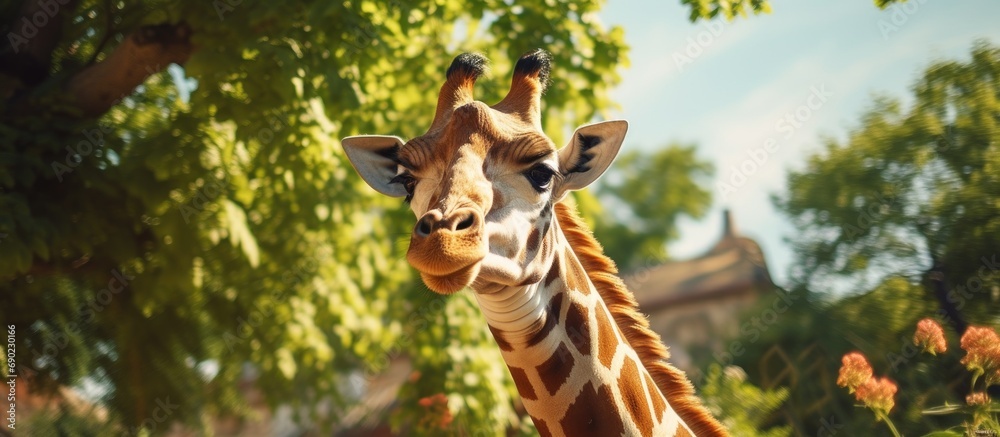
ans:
(695, 305)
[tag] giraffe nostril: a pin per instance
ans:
(466, 223)
(424, 227)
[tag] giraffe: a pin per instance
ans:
(487, 187)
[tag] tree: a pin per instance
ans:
(643, 195)
(163, 227)
(903, 215)
(911, 194)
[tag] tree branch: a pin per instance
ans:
(109, 31)
(143, 53)
(938, 277)
(34, 33)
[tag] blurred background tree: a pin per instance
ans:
(895, 223)
(642, 197)
(911, 193)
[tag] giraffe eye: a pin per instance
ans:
(409, 184)
(540, 177)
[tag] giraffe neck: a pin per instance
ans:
(574, 370)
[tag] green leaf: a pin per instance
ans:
(239, 233)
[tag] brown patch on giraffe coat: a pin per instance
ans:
(542, 427)
(681, 432)
(550, 322)
(576, 278)
(533, 240)
(593, 413)
(607, 342)
(545, 250)
(500, 339)
(659, 406)
(578, 327)
(533, 278)
(524, 387)
(634, 397)
(553, 271)
(556, 370)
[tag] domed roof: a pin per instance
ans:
(735, 265)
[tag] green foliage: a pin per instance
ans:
(883, 4)
(911, 193)
(802, 351)
(643, 195)
(742, 407)
(462, 363)
(242, 232)
(64, 422)
(903, 213)
(708, 9)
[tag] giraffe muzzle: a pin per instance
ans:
(446, 247)
(458, 221)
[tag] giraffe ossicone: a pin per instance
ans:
(487, 187)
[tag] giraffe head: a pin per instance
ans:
(483, 179)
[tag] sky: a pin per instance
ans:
(758, 95)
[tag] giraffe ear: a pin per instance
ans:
(374, 157)
(590, 152)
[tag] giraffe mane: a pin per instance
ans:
(603, 273)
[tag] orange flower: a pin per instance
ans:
(977, 398)
(430, 401)
(982, 347)
(930, 336)
(877, 394)
(438, 415)
(445, 420)
(854, 371)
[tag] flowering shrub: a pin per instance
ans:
(877, 394)
(854, 371)
(930, 337)
(982, 348)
